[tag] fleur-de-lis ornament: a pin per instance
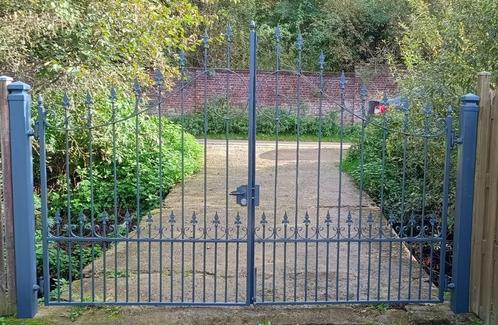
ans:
(285, 220)
(216, 219)
(307, 220)
(238, 222)
(328, 218)
(172, 218)
(194, 219)
(349, 219)
(263, 219)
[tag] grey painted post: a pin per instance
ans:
(469, 112)
(22, 196)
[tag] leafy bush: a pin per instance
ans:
(219, 113)
(99, 185)
(399, 174)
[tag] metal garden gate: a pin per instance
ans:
(280, 222)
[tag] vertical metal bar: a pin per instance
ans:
(159, 79)
(349, 222)
(182, 112)
(58, 254)
(105, 219)
(89, 104)
(43, 198)
(22, 196)
(285, 221)
(194, 225)
(328, 222)
(206, 130)
(171, 252)
(263, 252)
(444, 212)
(306, 232)
(68, 195)
(228, 36)
(389, 271)
(360, 212)
(299, 46)
(403, 197)
(149, 255)
(127, 259)
(278, 38)
(7, 247)
(216, 223)
(342, 86)
(113, 98)
(370, 223)
(81, 220)
(237, 247)
(319, 164)
(382, 184)
(138, 96)
(469, 112)
(251, 174)
(427, 113)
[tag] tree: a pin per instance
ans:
(444, 44)
(88, 45)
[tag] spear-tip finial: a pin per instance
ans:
(342, 81)
(182, 59)
(299, 41)
(278, 34)
(229, 33)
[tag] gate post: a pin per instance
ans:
(251, 177)
(469, 112)
(22, 197)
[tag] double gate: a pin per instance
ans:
(274, 221)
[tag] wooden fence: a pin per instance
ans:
(7, 255)
(484, 266)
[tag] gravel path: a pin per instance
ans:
(216, 271)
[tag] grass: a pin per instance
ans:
(11, 320)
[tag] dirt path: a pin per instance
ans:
(215, 271)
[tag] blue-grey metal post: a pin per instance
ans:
(469, 112)
(251, 175)
(22, 196)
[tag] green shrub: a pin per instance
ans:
(219, 113)
(395, 170)
(147, 154)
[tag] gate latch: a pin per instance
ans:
(241, 195)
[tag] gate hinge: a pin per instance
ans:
(455, 139)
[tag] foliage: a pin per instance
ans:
(92, 186)
(401, 185)
(87, 45)
(444, 45)
(348, 32)
(220, 114)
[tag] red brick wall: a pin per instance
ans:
(215, 86)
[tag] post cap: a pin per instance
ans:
(18, 86)
(470, 98)
(484, 73)
(6, 78)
